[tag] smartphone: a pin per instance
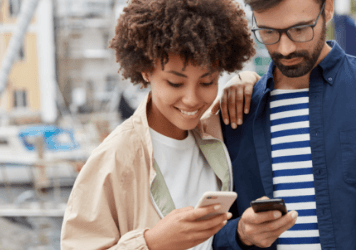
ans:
(268, 205)
(225, 199)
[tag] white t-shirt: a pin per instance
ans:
(186, 172)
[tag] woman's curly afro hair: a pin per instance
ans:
(212, 33)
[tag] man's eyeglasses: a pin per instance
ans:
(299, 33)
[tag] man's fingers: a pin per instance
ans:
(273, 221)
(262, 217)
(223, 107)
(285, 222)
(251, 217)
(232, 108)
(239, 104)
(265, 233)
(248, 95)
(272, 230)
(262, 198)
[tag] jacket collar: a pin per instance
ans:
(140, 124)
(331, 64)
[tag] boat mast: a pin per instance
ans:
(27, 11)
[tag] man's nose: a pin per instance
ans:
(285, 45)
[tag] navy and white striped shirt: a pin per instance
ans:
(292, 166)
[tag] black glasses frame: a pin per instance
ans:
(281, 31)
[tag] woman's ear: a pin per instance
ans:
(145, 77)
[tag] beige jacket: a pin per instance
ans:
(120, 191)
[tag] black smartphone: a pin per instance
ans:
(268, 205)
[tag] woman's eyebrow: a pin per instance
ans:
(182, 75)
(177, 73)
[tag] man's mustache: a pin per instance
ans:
(278, 56)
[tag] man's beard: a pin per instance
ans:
(306, 65)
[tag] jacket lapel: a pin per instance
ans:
(160, 193)
(214, 153)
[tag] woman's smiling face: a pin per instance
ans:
(179, 97)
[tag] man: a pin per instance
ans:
(299, 140)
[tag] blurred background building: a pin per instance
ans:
(87, 72)
(76, 39)
(23, 90)
(87, 75)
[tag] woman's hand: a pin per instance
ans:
(231, 103)
(180, 229)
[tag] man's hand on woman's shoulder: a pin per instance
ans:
(236, 98)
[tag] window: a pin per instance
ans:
(14, 7)
(20, 99)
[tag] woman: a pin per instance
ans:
(138, 187)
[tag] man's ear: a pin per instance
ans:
(329, 10)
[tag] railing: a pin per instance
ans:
(40, 195)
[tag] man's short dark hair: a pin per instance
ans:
(262, 5)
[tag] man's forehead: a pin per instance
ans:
(288, 13)
(260, 5)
